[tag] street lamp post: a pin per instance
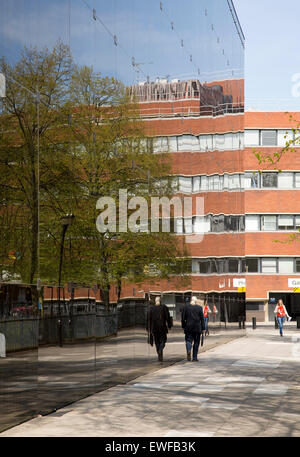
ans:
(65, 221)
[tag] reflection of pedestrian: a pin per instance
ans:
(214, 312)
(192, 322)
(206, 312)
(158, 322)
(281, 314)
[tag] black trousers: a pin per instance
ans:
(160, 340)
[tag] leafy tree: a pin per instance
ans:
(68, 137)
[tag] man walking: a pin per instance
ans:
(158, 322)
(192, 321)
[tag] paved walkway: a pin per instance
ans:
(247, 387)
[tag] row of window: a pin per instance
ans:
(264, 265)
(270, 137)
(235, 223)
(238, 181)
(200, 143)
(223, 141)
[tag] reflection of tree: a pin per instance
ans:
(27, 126)
(61, 150)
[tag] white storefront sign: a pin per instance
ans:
(294, 282)
(239, 282)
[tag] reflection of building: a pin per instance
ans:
(248, 257)
(202, 127)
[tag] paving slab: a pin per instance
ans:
(246, 388)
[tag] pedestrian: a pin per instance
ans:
(206, 312)
(158, 323)
(281, 314)
(192, 321)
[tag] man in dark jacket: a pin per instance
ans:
(192, 321)
(158, 322)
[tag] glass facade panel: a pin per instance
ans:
(63, 304)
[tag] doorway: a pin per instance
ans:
(290, 300)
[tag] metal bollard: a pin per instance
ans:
(240, 321)
(276, 322)
(254, 323)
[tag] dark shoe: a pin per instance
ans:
(195, 360)
(189, 356)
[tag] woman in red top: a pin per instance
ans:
(281, 314)
(206, 312)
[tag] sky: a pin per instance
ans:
(271, 28)
(272, 58)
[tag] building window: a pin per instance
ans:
(284, 137)
(234, 182)
(233, 265)
(268, 138)
(269, 265)
(185, 184)
(188, 225)
(234, 223)
(251, 180)
(217, 223)
(196, 184)
(252, 265)
(297, 180)
(268, 223)
(204, 183)
(285, 222)
(297, 265)
(297, 222)
(269, 180)
(206, 143)
(179, 225)
(251, 137)
(204, 266)
(201, 224)
(252, 223)
(213, 266)
(285, 180)
(285, 265)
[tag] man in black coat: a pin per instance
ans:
(192, 321)
(158, 322)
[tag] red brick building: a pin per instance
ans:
(247, 258)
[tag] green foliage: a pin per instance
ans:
(68, 137)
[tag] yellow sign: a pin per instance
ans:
(297, 289)
(243, 289)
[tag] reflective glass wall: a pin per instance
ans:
(87, 88)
